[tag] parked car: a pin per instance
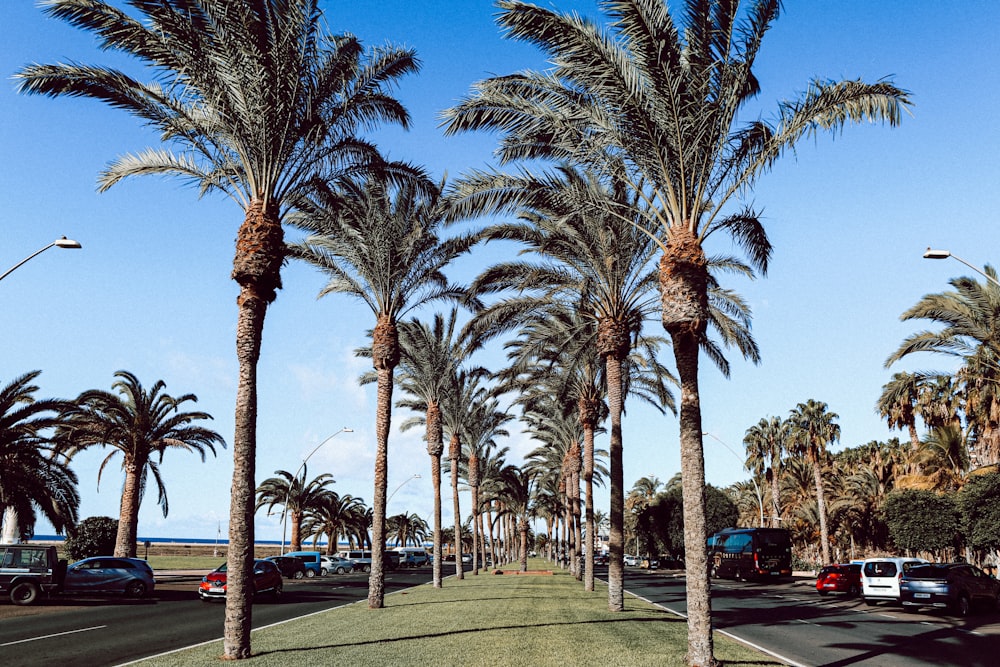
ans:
(131, 577)
(842, 578)
(412, 556)
(362, 559)
(336, 564)
(28, 570)
(600, 559)
(631, 560)
(958, 587)
(266, 579)
(310, 559)
(290, 567)
(880, 577)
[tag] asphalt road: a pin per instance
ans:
(112, 631)
(793, 622)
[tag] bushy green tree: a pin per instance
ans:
(922, 520)
(661, 524)
(979, 508)
(94, 536)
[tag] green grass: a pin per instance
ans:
(494, 620)
(186, 562)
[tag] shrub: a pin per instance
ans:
(92, 537)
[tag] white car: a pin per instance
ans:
(631, 560)
(880, 577)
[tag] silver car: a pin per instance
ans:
(131, 577)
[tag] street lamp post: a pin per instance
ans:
(756, 487)
(416, 476)
(945, 254)
(9, 534)
(58, 243)
(284, 512)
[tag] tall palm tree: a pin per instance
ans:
(765, 442)
(378, 241)
(516, 490)
(430, 355)
(898, 402)
(296, 497)
(664, 98)
(141, 425)
(251, 98)
(589, 260)
(334, 515)
(812, 428)
(31, 476)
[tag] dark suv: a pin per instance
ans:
(956, 586)
(28, 570)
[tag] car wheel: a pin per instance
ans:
(738, 575)
(310, 574)
(852, 592)
(276, 593)
(869, 602)
(24, 593)
(962, 606)
(298, 574)
(366, 568)
(341, 570)
(821, 592)
(324, 572)
(135, 589)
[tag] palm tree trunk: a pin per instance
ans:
(824, 534)
(588, 483)
(454, 453)
(435, 447)
(376, 578)
(616, 533)
(775, 492)
(239, 562)
(128, 516)
(699, 601)
(475, 526)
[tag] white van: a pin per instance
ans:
(412, 556)
(362, 559)
(880, 577)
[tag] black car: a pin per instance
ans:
(955, 586)
(289, 566)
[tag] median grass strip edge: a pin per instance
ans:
(481, 620)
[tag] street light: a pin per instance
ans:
(9, 518)
(416, 476)
(944, 254)
(760, 497)
(284, 512)
(58, 243)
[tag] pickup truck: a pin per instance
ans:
(28, 570)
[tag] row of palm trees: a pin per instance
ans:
(254, 100)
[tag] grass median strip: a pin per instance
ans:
(482, 620)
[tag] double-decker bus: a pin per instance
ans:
(750, 553)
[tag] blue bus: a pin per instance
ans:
(750, 553)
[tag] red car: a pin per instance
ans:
(266, 579)
(843, 578)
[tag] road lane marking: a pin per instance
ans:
(58, 634)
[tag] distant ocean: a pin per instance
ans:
(176, 540)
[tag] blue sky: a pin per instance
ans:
(849, 217)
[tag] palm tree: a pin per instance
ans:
(406, 528)
(378, 242)
(665, 99)
(334, 515)
(765, 442)
(516, 491)
(255, 97)
(898, 401)
(141, 425)
(429, 357)
(31, 477)
(812, 429)
(591, 261)
(970, 319)
(296, 497)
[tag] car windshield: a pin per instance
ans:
(221, 568)
(927, 572)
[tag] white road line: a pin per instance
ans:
(58, 634)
